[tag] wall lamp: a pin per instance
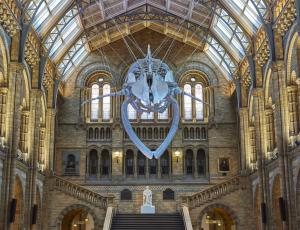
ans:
(177, 154)
(117, 154)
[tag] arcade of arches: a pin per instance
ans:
(234, 162)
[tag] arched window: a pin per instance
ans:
(168, 194)
(187, 103)
(164, 163)
(93, 162)
(126, 194)
(147, 116)
(186, 133)
(90, 133)
(96, 133)
(129, 162)
(153, 166)
(95, 103)
(199, 105)
(141, 163)
(105, 162)
(106, 102)
(201, 163)
(131, 112)
(189, 162)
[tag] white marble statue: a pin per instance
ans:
(147, 196)
(147, 207)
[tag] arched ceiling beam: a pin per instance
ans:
(58, 17)
(239, 20)
(268, 26)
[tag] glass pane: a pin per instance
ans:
(199, 105)
(131, 112)
(147, 116)
(164, 115)
(106, 102)
(95, 103)
(187, 103)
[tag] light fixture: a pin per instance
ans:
(177, 153)
(100, 79)
(74, 225)
(117, 154)
(86, 219)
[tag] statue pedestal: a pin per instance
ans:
(147, 209)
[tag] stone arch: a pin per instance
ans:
(219, 206)
(93, 69)
(70, 208)
(293, 45)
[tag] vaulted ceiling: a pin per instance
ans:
(72, 29)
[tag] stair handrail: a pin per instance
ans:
(108, 218)
(213, 192)
(186, 218)
(81, 192)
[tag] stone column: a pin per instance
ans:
(135, 162)
(3, 106)
(195, 163)
(258, 109)
(282, 135)
(50, 133)
(293, 111)
(158, 169)
(15, 94)
(244, 137)
(34, 143)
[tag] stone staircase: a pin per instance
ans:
(80, 192)
(148, 222)
(213, 193)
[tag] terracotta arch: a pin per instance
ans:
(73, 207)
(218, 206)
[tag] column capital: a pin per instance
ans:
(258, 92)
(278, 65)
(16, 66)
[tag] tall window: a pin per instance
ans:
(164, 115)
(131, 112)
(199, 105)
(106, 102)
(147, 116)
(187, 103)
(95, 103)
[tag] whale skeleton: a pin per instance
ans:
(149, 87)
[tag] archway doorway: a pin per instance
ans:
(217, 218)
(276, 194)
(77, 219)
(18, 196)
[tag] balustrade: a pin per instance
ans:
(212, 193)
(81, 192)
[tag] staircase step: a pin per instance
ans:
(148, 222)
